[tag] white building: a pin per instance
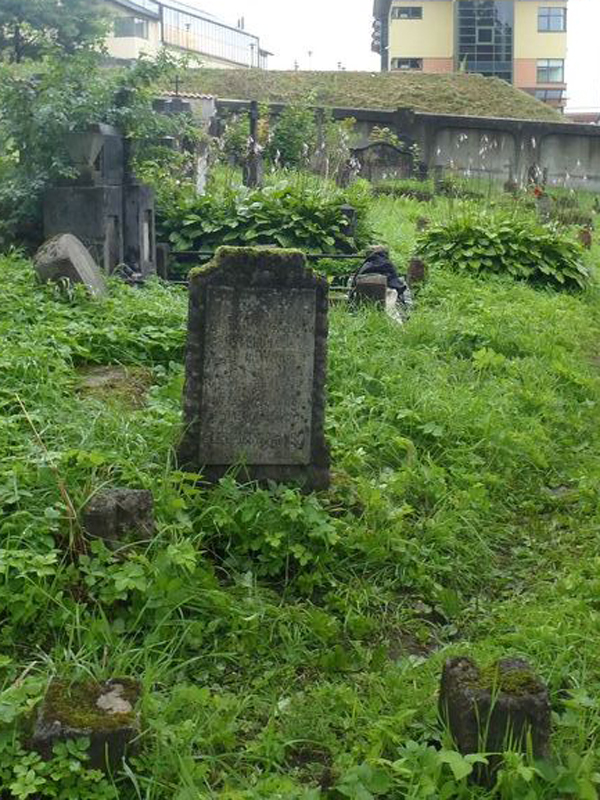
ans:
(145, 27)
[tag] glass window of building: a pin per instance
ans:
(552, 20)
(202, 35)
(549, 94)
(407, 63)
(407, 12)
(130, 27)
(485, 37)
(551, 70)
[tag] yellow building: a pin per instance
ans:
(144, 27)
(522, 41)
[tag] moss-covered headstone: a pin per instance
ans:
(504, 707)
(104, 713)
(256, 364)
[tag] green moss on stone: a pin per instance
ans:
(250, 258)
(74, 705)
(515, 681)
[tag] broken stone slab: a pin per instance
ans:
(104, 713)
(65, 258)
(117, 514)
(490, 711)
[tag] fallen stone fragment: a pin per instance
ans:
(65, 258)
(104, 713)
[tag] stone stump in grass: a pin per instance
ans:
(103, 713)
(504, 707)
(416, 275)
(116, 515)
(585, 237)
(256, 361)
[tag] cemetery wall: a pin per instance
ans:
(484, 146)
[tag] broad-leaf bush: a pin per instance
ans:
(287, 213)
(519, 246)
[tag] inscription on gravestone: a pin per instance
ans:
(255, 368)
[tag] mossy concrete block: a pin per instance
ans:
(116, 515)
(104, 713)
(256, 364)
(490, 711)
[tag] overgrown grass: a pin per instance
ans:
(463, 518)
(468, 94)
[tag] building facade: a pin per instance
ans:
(144, 27)
(523, 42)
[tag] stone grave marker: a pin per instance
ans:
(104, 713)
(381, 161)
(256, 363)
(65, 258)
(487, 709)
(372, 289)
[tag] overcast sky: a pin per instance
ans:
(339, 31)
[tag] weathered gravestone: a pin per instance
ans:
(382, 161)
(255, 368)
(105, 714)
(372, 289)
(64, 258)
(490, 711)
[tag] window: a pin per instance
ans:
(552, 20)
(551, 70)
(485, 37)
(128, 27)
(407, 63)
(407, 12)
(549, 94)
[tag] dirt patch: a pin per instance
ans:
(113, 383)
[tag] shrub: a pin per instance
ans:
(567, 217)
(286, 213)
(293, 137)
(520, 247)
(422, 191)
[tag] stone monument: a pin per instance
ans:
(103, 204)
(256, 362)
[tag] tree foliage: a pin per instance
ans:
(67, 94)
(29, 29)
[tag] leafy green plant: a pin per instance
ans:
(516, 246)
(285, 213)
(422, 191)
(293, 136)
(272, 534)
